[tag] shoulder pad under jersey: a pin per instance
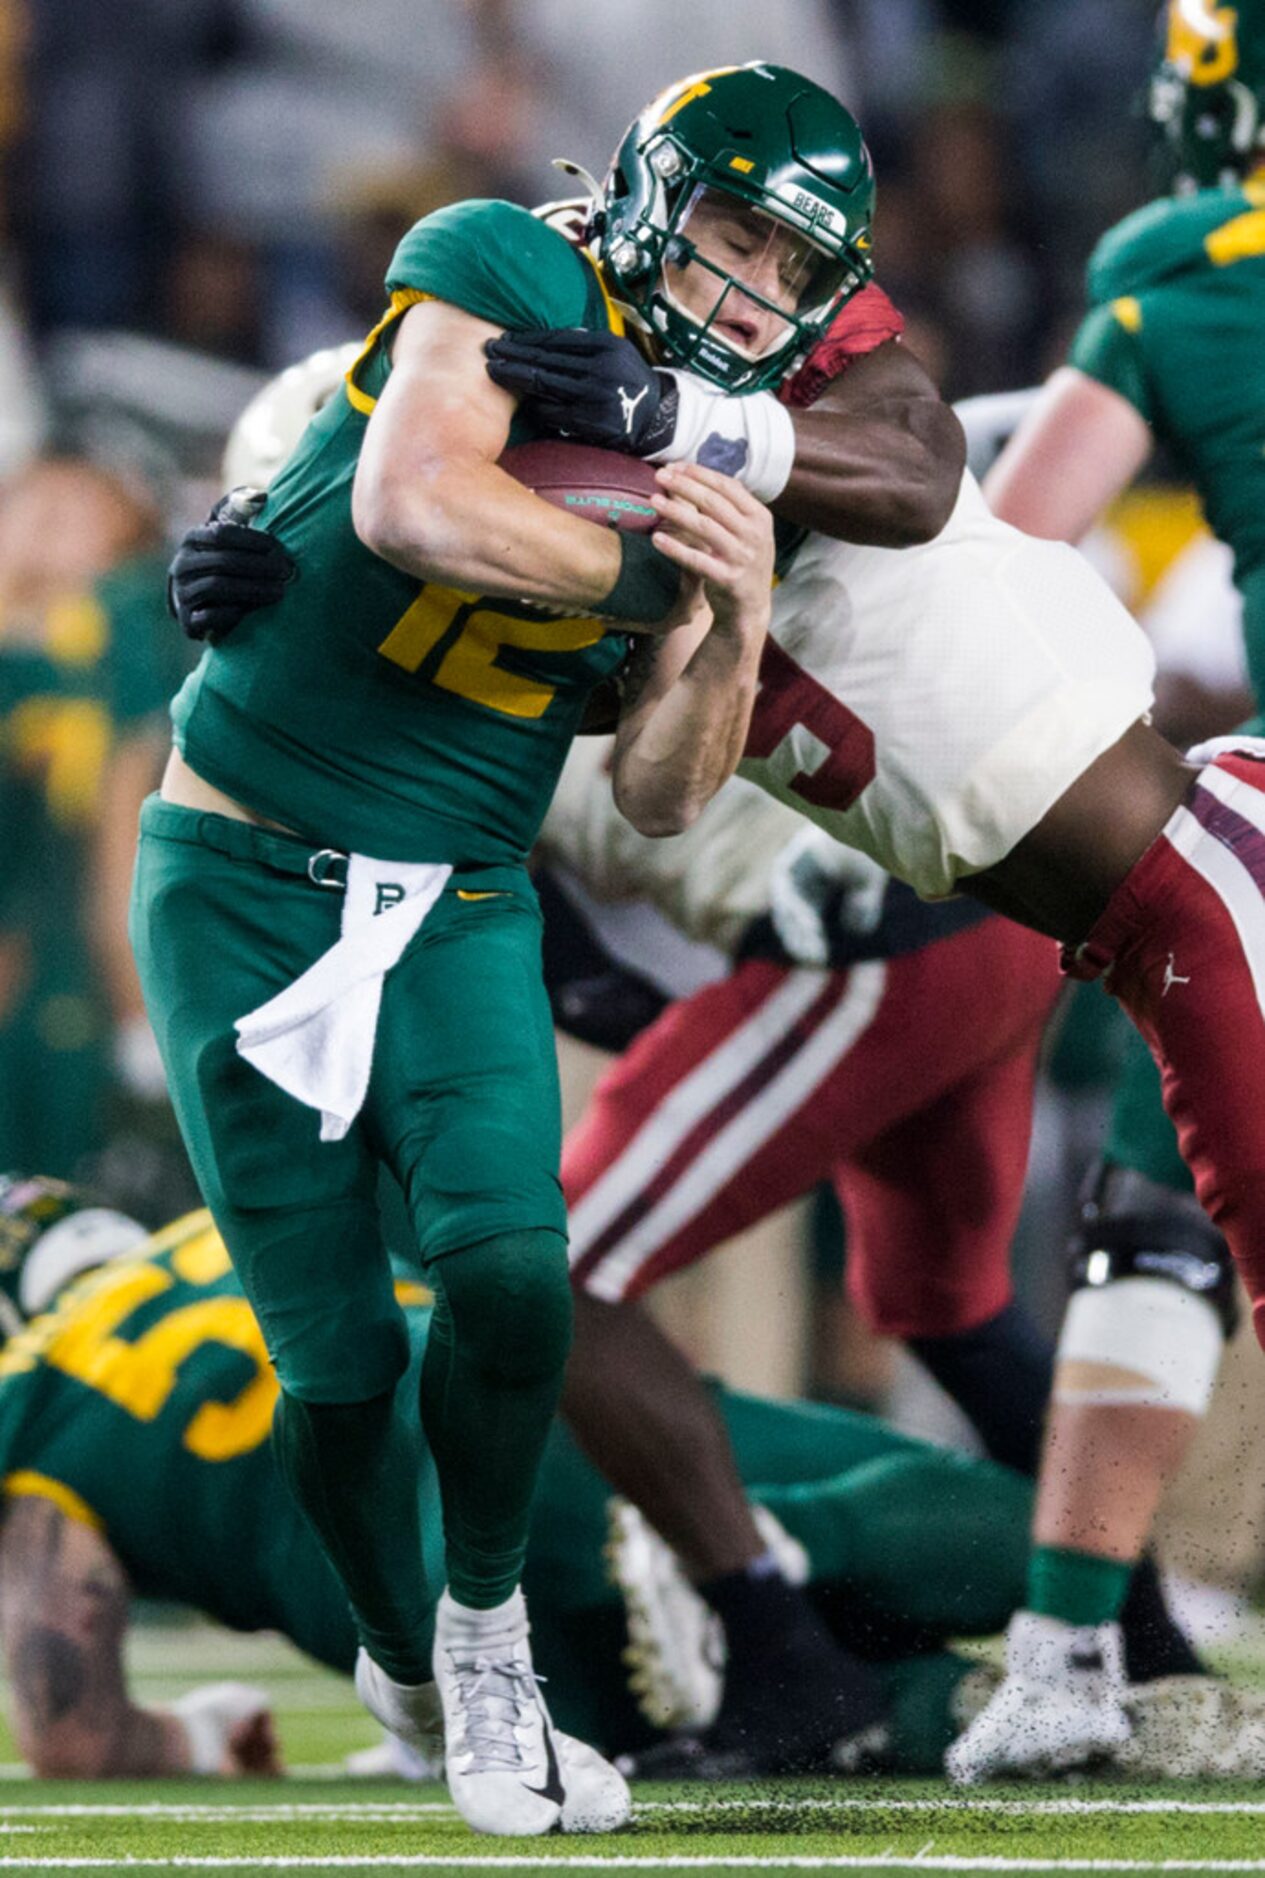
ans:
(1159, 242)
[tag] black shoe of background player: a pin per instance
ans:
(718, 1753)
(794, 1702)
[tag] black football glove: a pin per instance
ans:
(225, 569)
(594, 387)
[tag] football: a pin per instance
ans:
(603, 486)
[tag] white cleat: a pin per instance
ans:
(676, 1643)
(1193, 1728)
(506, 1765)
(410, 1710)
(1061, 1703)
(597, 1799)
(393, 1759)
(676, 1650)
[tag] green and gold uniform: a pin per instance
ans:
(374, 714)
(141, 1403)
(104, 673)
(368, 711)
(1176, 327)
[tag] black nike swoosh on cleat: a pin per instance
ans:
(553, 1788)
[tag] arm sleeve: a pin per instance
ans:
(495, 261)
(1108, 347)
(866, 321)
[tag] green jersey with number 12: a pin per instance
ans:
(368, 710)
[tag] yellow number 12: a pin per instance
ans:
(476, 635)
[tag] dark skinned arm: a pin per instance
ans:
(879, 456)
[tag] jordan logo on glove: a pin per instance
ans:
(629, 405)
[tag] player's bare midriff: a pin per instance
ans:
(188, 790)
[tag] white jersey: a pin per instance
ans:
(710, 882)
(927, 705)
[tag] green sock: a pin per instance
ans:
(353, 1467)
(491, 1379)
(1076, 1587)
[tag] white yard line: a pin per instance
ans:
(297, 1811)
(407, 1861)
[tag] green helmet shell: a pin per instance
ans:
(777, 142)
(1207, 94)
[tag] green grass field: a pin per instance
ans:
(320, 1821)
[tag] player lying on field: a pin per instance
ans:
(136, 1400)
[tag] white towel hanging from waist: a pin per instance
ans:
(315, 1039)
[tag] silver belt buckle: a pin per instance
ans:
(320, 869)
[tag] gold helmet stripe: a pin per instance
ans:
(677, 96)
(1202, 40)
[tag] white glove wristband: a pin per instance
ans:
(751, 438)
(208, 1716)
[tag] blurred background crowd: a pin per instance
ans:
(194, 193)
(229, 175)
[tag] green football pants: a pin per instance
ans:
(462, 1105)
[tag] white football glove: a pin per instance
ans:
(210, 1715)
(809, 875)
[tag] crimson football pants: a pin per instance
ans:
(907, 1082)
(1182, 946)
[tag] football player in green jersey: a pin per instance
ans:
(86, 673)
(135, 1401)
(391, 730)
(1170, 352)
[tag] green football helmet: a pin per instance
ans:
(1207, 94)
(49, 1233)
(786, 164)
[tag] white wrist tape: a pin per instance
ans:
(208, 1716)
(1164, 1343)
(751, 438)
